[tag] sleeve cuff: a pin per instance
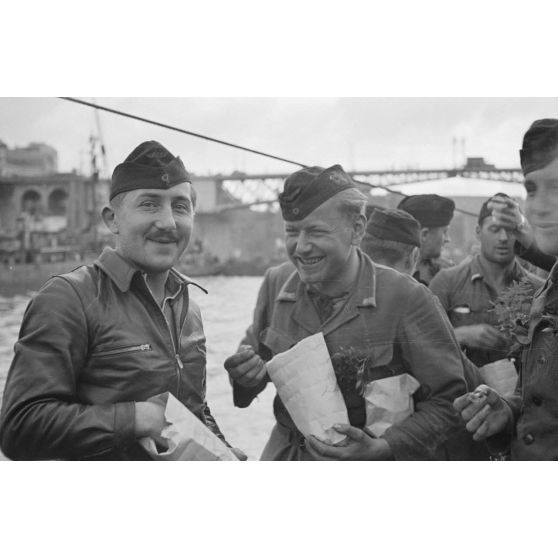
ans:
(124, 423)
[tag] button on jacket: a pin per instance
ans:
(388, 318)
(535, 402)
(91, 343)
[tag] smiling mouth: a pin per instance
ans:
(309, 261)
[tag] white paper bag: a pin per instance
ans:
(389, 401)
(188, 438)
(306, 383)
(500, 375)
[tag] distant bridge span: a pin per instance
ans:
(254, 189)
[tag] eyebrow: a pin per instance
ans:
(153, 195)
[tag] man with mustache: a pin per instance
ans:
(467, 291)
(525, 425)
(96, 343)
(367, 313)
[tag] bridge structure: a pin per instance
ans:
(258, 189)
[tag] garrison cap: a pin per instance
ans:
(393, 224)
(540, 145)
(150, 165)
(485, 212)
(430, 210)
(307, 189)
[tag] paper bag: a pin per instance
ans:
(306, 383)
(188, 438)
(500, 375)
(389, 401)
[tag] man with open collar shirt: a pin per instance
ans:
(97, 342)
(364, 311)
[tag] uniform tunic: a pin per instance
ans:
(389, 319)
(535, 402)
(467, 296)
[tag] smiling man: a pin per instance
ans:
(526, 424)
(368, 314)
(97, 342)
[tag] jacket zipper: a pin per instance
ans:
(176, 350)
(122, 350)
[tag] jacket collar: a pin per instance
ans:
(121, 272)
(477, 272)
(362, 295)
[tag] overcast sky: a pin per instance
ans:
(359, 133)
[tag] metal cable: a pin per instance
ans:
(222, 142)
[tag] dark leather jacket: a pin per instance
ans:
(91, 343)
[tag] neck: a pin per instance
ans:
(497, 273)
(156, 283)
(344, 281)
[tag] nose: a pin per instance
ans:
(165, 218)
(447, 237)
(302, 244)
(504, 235)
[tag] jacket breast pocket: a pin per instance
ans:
(275, 342)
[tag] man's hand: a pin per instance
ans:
(481, 336)
(484, 412)
(245, 367)
(507, 213)
(358, 446)
(149, 419)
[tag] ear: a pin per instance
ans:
(478, 231)
(413, 259)
(359, 229)
(109, 218)
(423, 234)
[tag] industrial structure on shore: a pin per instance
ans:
(47, 216)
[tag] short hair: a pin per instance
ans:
(389, 251)
(351, 203)
(116, 201)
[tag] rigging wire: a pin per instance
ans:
(222, 142)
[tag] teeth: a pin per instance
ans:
(310, 260)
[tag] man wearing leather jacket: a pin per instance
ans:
(96, 343)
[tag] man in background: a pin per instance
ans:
(434, 213)
(468, 291)
(392, 239)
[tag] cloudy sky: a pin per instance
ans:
(359, 133)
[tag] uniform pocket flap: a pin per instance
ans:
(380, 355)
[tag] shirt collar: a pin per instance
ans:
(122, 272)
(477, 272)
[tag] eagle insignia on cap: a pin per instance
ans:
(338, 178)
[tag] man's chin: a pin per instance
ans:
(547, 243)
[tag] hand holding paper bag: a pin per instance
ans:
(389, 401)
(188, 438)
(306, 383)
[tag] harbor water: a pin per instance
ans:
(227, 312)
